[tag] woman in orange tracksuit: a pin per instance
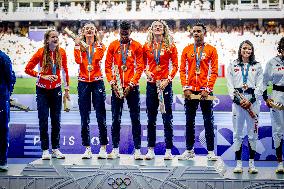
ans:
(159, 52)
(50, 61)
(126, 54)
(198, 73)
(91, 87)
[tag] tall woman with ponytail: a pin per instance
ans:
(51, 63)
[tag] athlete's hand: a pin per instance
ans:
(245, 104)
(127, 90)
(149, 75)
(164, 84)
(49, 77)
(78, 42)
(204, 94)
(187, 94)
(115, 90)
(268, 102)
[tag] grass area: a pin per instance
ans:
(27, 86)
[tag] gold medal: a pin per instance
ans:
(90, 67)
(245, 86)
(124, 67)
(158, 68)
(197, 70)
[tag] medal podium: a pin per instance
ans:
(125, 172)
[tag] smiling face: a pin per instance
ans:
(89, 30)
(158, 28)
(198, 34)
(53, 40)
(246, 51)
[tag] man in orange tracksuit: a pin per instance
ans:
(159, 53)
(126, 55)
(91, 87)
(198, 73)
(50, 61)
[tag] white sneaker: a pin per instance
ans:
(150, 154)
(102, 154)
(88, 153)
(137, 154)
(57, 154)
(3, 168)
(45, 155)
(239, 167)
(168, 155)
(211, 156)
(280, 169)
(252, 169)
(114, 154)
(187, 155)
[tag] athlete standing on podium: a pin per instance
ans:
(245, 75)
(124, 66)
(91, 88)
(198, 73)
(274, 73)
(50, 60)
(160, 54)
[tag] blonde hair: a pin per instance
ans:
(47, 60)
(167, 38)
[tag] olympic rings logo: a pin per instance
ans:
(119, 182)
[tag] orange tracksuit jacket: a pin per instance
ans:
(207, 77)
(81, 58)
(134, 63)
(37, 59)
(165, 58)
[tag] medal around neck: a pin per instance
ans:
(158, 68)
(90, 68)
(197, 70)
(245, 86)
(124, 67)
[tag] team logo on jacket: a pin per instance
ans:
(162, 52)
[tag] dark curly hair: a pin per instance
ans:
(201, 25)
(125, 25)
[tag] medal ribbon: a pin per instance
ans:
(124, 56)
(53, 64)
(245, 75)
(158, 54)
(90, 54)
(198, 58)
